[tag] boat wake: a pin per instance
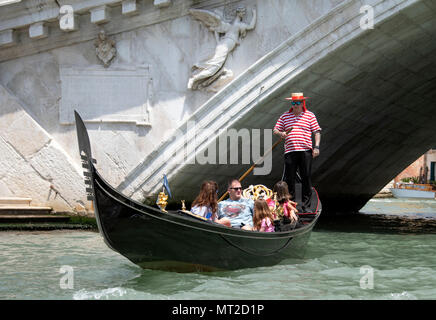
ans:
(105, 294)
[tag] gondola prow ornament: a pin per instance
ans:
(162, 197)
(162, 201)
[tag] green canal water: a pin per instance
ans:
(385, 252)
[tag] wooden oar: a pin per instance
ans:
(255, 164)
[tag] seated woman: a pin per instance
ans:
(206, 203)
(284, 206)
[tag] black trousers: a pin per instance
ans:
(301, 160)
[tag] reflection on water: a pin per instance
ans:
(387, 216)
(395, 239)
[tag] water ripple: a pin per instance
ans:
(403, 267)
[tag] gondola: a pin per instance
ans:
(176, 241)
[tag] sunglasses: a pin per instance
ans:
(236, 189)
(296, 103)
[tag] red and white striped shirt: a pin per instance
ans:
(300, 138)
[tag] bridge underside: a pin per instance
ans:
(375, 100)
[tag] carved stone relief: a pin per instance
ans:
(105, 49)
(227, 35)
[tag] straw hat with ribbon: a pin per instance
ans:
(298, 96)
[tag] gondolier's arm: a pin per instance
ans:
(282, 134)
(315, 152)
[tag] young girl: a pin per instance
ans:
(263, 217)
(206, 203)
(285, 206)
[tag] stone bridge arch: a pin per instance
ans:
(372, 91)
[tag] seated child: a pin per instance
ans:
(284, 206)
(263, 217)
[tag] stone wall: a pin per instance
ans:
(33, 164)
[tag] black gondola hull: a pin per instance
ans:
(172, 241)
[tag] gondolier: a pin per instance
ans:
(296, 126)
